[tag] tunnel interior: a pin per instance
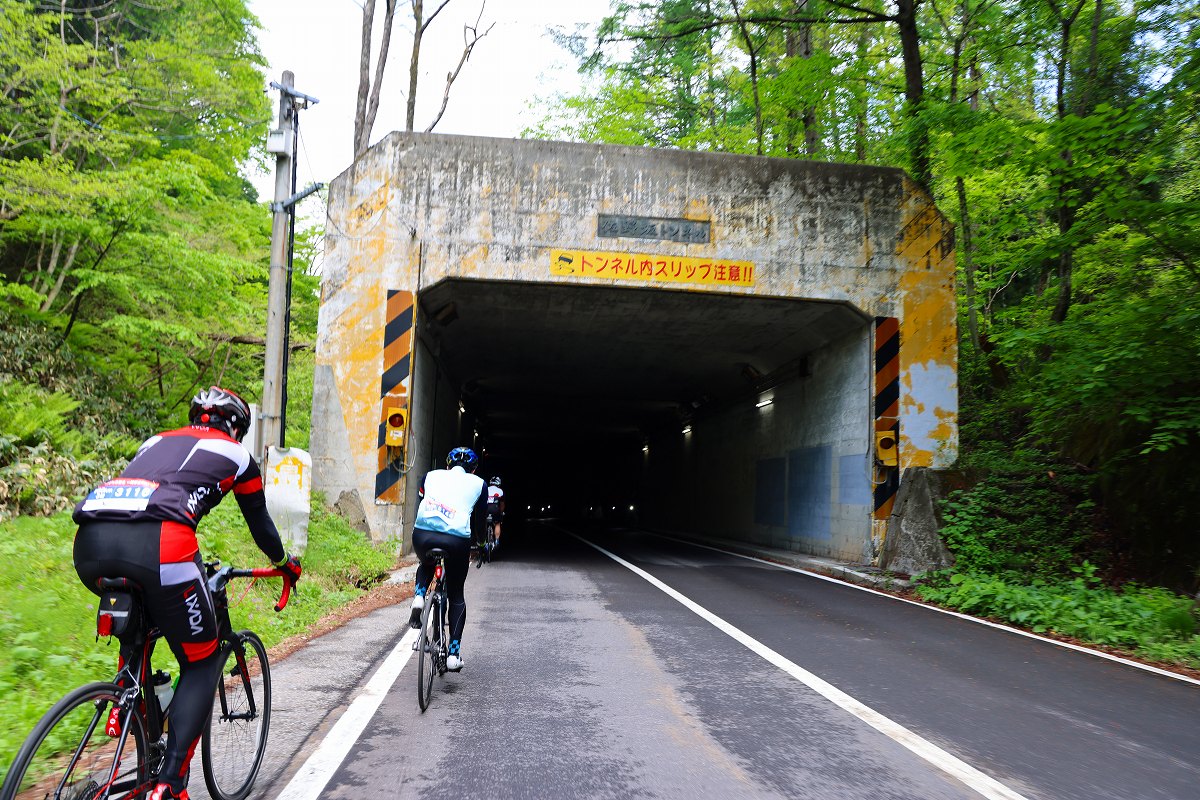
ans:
(576, 394)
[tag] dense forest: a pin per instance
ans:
(1061, 136)
(133, 251)
(1063, 139)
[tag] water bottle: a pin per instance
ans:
(163, 689)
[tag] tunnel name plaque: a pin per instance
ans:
(688, 231)
(651, 267)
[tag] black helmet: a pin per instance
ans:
(494, 480)
(462, 457)
(221, 408)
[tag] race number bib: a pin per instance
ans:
(120, 494)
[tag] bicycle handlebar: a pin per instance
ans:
(259, 572)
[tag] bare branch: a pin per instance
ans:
(471, 37)
(257, 341)
(438, 11)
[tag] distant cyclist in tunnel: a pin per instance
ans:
(452, 504)
(495, 505)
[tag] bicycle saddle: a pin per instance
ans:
(434, 554)
(118, 585)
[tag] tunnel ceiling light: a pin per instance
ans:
(766, 401)
(687, 428)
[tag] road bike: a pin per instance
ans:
(106, 741)
(483, 551)
(433, 642)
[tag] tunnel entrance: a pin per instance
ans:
(651, 405)
(588, 304)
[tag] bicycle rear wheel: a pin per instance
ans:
(233, 744)
(426, 658)
(70, 756)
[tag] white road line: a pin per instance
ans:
(1097, 653)
(310, 781)
(985, 785)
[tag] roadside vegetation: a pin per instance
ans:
(48, 618)
(1032, 551)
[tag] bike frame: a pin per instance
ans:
(139, 697)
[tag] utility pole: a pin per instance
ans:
(281, 142)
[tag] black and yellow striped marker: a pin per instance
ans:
(887, 408)
(393, 386)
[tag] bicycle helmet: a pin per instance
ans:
(220, 408)
(494, 480)
(462, 457)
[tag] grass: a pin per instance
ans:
(47, 617)
(1150, 622)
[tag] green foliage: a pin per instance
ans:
(1152, 622)
(47, 624)
(47, 617)
(1032, 522)
(124, 220)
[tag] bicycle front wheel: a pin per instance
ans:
(235, 739)
(70, 754)
(426, 658)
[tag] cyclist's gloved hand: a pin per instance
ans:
(291, 567)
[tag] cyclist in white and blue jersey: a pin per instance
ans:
(451, 513)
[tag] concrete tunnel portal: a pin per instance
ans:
(720, 341)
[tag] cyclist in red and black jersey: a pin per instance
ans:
(142, 526)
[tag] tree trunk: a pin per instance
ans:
(370, 88)
(914, 90)
(62, 275)
(860, 112)
(418, 7)
(798, 44)
(753, 52)
(361, 132)
(41, 283)
(1065, 211)
(968, 261)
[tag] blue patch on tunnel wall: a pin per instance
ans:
(854, 485)
(810, 479)
(770, 491)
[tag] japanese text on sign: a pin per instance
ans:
(689, 231)
(649, 267)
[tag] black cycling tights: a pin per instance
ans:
(458, 562)
(182, 609)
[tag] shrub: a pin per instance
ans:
(1150, 621)
(1037, 521)
(46, 464)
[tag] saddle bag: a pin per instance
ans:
(117, 614)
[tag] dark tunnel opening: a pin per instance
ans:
(575, 394)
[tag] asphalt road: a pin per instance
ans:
(584, 679)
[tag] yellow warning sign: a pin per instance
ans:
(651, 267)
